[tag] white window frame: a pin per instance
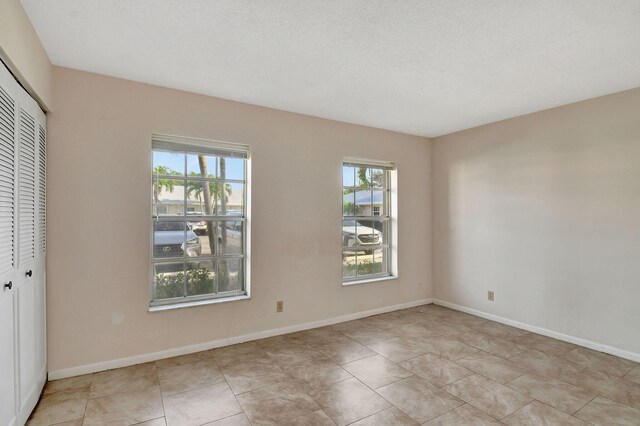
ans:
(391, 183)
(185, 144)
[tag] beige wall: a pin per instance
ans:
(98, 237)
(21, 49)
(544, 209)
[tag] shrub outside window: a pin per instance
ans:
(199, 221)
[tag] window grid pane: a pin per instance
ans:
(366, 222)
(190, 247)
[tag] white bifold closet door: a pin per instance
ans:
(22, 251)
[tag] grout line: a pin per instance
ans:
(597, 395)
(150, 420)
(231, 390)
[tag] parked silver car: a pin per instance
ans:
(168, 240)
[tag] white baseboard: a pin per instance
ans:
(154, 356)
(539, 330)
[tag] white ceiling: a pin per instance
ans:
(425, 67)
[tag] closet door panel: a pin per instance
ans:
(22, 251)
(7, 361)
(28, 372)
(8, 252)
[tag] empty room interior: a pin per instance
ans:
(319, 212)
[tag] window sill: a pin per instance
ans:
(369, 280)
(160, 308)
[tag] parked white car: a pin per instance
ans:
(355, 234)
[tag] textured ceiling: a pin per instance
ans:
(425, 67)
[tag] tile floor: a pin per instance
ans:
(425, 365)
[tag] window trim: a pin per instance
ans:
(392, 220)
(210, 146)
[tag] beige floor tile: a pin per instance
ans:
(128, 379)
(447, 328)
(347, 326)
(491, 366)
(237, 353)
(495, 345)
(317, 418)
(320, 336)
(346, 350)
(60, 407)
(464, 415)
(282, 340)
(184, 377)
(250, 375)
(604, 412)
(155, 422)
(397, 349)
(368, 334)
(537, 413)
(348, 401)
(445, 347)
(542, 363)
(556, 393)
(235, 420)
(500, 330)
(384, 321)
(72, 383)
(469, 321)
(276, 404)
(126, 408)
(200, 405)
(599, 361)
(184, 359)
(376, 371)
(545, 344)
(389, 417)
(74, 422)
(418, 398)
(488, 396)
(291, 353)
(436, 370)
(612, 387)
(633, 375)
(422, 329)
(316, 372)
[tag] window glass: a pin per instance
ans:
(202, 165)
(366, 220)
(197, 252)
(232, 168)
(168, 163)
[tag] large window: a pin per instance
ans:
(199, 221)
(366, 220)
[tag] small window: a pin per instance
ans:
(199, 221)
(366, 220)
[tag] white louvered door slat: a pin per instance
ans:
(42, 188)
(7, 181)
(27, 187)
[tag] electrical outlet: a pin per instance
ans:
(279, 306)
(490, 296)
